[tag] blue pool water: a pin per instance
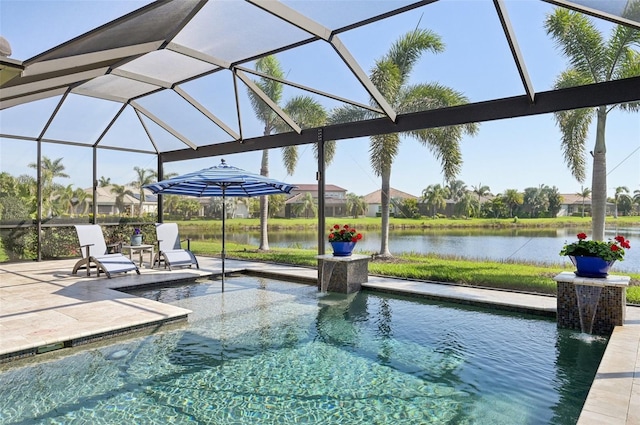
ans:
(271, 352)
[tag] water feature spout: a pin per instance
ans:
(588, 297)
(593, 305)
(325, 276)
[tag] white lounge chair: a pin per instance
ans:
(170, 250)
(94, 251)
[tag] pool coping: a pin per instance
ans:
(26, 288)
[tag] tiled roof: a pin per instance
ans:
(375, 197)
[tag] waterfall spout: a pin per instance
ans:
(588, 297)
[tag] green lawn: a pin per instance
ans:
(502, 275)
(423, 222)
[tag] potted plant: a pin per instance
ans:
(594, 258)
(343, 239)
(136, 238)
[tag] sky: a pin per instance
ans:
(506, 154)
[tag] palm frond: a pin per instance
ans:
(290, 158)
(306, 111)
(406, 51)
(574, 126)
(382, 151)
(349, 113)
(580, 41)
(329, 151)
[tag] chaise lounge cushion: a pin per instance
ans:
(94, 253)
(170, 249)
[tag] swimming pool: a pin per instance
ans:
(267, 352)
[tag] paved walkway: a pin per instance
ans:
(44, 307)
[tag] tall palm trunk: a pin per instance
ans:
(384, 201)
(264, 204)
(599, 178)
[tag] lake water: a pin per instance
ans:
(538, 245)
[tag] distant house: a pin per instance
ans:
(573, 204)
(374, 202)
(106, 201)
(335, 199)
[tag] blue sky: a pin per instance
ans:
(507, 154)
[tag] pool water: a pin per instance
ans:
(272, 352)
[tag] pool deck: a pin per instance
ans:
(44, 307)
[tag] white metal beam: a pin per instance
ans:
(515, 49)
(162, 124)
(596, 13)
(312, 90)
(142, 78)
(293, 17)
(353, 65)
(56, 65)
(196, 54)
(31, 97)
(254, 87)
(85, 92)
(206, 112)
(47, 84)
(284, 12)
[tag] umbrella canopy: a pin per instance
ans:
(222, 180)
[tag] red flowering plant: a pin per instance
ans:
(345, 233)
(610, 250)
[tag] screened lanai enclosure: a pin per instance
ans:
(165, 87)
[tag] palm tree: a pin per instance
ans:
(304, 110)
(620, 190)
(104, 181)
(63, 202)
(535, 198)
(482, 191)
(276, 203)
(170, 204)
(512, 198)
(624, 204)
(554, 200)
(584, 193)
(435, 196)
(80, 199)
(356, 205)
(391, 77)
(466, 206)
(309, 205)
(636, 199)
(593, 60)
(306, 205)
(457, 189)
(120, 192)
(144, 176)
(50, 169)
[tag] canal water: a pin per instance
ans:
(533, 245)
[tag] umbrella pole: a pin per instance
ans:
(224, 213)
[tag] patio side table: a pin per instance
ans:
(141, 250)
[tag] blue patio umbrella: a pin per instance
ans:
(222, 180)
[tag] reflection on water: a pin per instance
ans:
(537, 245)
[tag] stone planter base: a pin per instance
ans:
(342, 274)
(610, 308)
